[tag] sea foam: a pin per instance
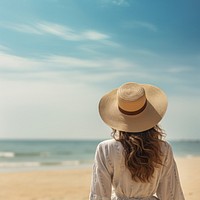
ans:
(7, 154)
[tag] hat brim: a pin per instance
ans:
(152, 114)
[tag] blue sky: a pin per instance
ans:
(58, 57)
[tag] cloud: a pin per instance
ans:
(71, 62)
(12, 63)
(140, 25)
(116, 2)
(180, 69)
(67, 33)
(96, 69)
(93, 35)
(98, 49)
(61, 31)
(115, 63)
(24, 28)
(46, 66)
(145, 52)
(120, 2)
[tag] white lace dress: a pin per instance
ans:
(111, 180)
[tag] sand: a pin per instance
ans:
(75, 184)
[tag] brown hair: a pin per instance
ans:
(142, 152)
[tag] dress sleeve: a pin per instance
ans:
(169, 187)
(102, 175)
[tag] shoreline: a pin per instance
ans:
(86, 165)
(68, 184)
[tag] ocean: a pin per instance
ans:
(64, 154)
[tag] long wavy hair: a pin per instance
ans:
(142, 152)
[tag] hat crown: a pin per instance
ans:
(131, 97)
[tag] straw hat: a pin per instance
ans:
(133, 107)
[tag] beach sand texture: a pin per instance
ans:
(75, 184)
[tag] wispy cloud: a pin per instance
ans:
(97, 64)
(140, 24)
(12, 63)
(120, 2)
(87, 70)
(99, 48)
(116, 2)
(56, 63)
(93, 35)
(145, 52)
(179, 69)
(61, 31)
(24, 28)
(65, 69)
(71, 62)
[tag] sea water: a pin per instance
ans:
(65, 154)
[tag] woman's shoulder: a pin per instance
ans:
(111, 149)
(110, 144)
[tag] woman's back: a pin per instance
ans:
(110, 170)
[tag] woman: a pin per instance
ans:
(137, 164)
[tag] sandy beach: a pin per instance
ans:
(75, 184)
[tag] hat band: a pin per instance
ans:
(133, 112)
